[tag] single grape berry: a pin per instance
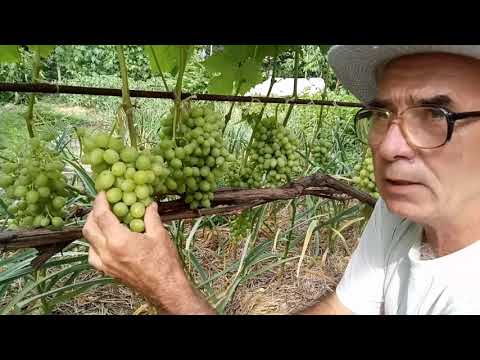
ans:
(110, 156)
(114, 195)
(119, 168)
(129, 155)
(137, 225)
(137, 210)
(58, 202)
(120, 209)
(57, 222)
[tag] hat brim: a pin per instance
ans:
(356, 65)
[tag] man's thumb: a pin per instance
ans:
(153, 222)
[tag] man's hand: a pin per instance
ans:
(146, 262)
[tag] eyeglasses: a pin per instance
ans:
(424, 127)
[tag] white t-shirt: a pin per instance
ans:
(387, 276)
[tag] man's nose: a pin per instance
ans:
(394, 144)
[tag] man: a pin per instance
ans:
(421, 107)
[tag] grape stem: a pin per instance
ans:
(295, 70)
(178, 89)
(126, 102)
(229, 114)
(31, 101)
(320, 118)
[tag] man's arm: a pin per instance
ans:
(329, 305)
(149, 263)
(146, 262)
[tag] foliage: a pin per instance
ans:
(260, 241)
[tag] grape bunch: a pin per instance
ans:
(129, 177)
(272, 160)
(365, 177)
(320, 152)
(35, 186)
(196, 159)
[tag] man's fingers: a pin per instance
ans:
(100, 204)
(92, 233)
(105, 219)
(153, 222)
(94, 259)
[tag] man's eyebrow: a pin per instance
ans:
(437, 100)
(380, 103)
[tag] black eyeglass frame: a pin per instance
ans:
(450, 117)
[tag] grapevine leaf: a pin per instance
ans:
(250, 74)
(270, 50)
(239, 52)
(221, 84)
(324, 48)
(266, 50)
(167, 57)
(44, 50)
(9, 54)
(218, 63)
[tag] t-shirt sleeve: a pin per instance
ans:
(361, 287)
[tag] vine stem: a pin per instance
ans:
(126, 102)
(31, 101)
(158, 67)
(178, 89)
(295, 69)
(229, 114)
(319, 124)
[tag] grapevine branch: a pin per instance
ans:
(126, 102)
(83, 90)
(31, 101)
(227, 201)
(295, 70)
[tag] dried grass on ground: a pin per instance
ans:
(269, 293)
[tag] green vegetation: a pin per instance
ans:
(83, 144)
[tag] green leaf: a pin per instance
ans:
(324, 48)
(239, 52)
(90, 283)
(163, 56)
(44, 50)
(221, 84)
(166, 57)
(218, 63)
(9, 54)
(269, 50)
(4, 207)
(20, 255)
(250, 74)
(86, 179)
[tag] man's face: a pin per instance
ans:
(447, 179)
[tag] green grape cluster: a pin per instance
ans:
(365, 177)
(128, 177)
(272, 159)
(35, 186)
(320, 152)
(197, 158)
